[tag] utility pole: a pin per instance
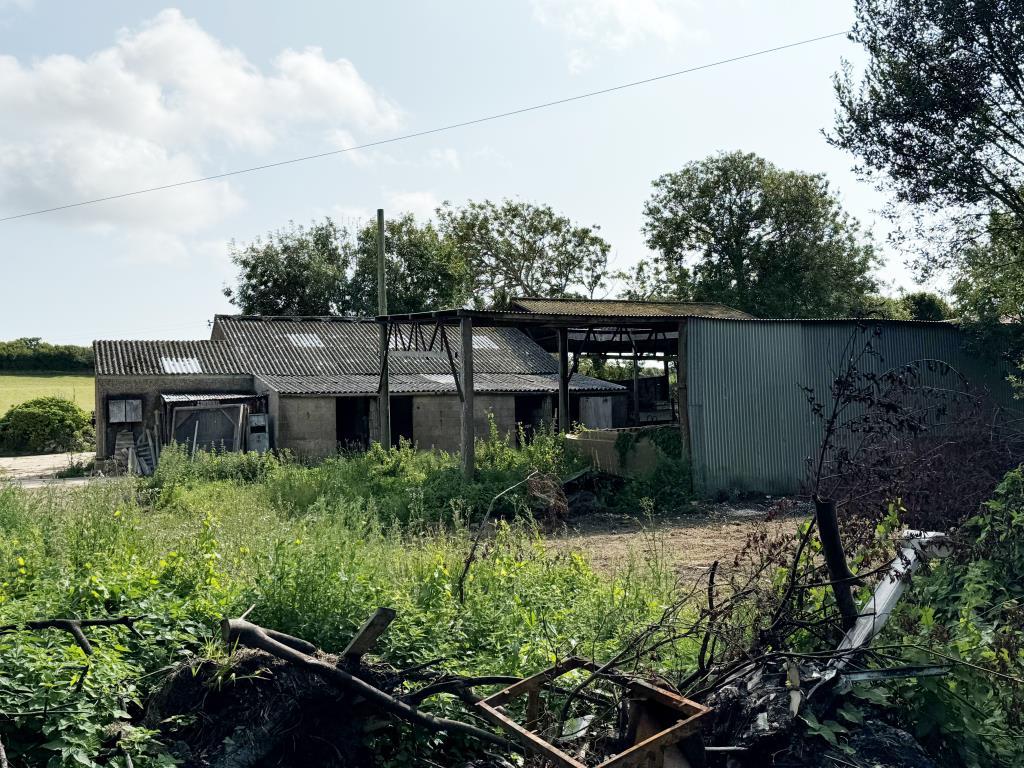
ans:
(383, 396)
(468, 414)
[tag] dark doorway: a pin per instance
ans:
(352, 421)
(531, 410)
(401, 419)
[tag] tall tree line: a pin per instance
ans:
(480, 254)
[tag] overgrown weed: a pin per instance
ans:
(316, 549)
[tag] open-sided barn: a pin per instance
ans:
(311, 384)
(745, 424)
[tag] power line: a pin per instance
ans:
(430, 131)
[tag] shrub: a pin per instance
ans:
(395, 484)
(969, 609)
(45, 425)
(667, 487)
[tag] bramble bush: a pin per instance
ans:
(45, 425)
(970, 607)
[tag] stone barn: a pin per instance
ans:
(311, 385)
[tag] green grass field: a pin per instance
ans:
(18, 387)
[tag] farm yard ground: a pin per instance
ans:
(32, 471)
(683, 543)
(689, 541)
(18, 387)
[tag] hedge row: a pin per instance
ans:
(33, 354)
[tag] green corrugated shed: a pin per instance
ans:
(751, 426)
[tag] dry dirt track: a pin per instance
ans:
(685, 542)
(35, 471)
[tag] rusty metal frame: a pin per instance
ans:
(579, 353)
(650, 748)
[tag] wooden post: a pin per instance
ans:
(563, 380)
(668, 388)
(384, 396)
(367, 635)
(636, 389)
(835, 559)
(468, 425)
(683, 395)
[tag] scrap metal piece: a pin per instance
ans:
(894, 673)
(677, 718)
(917, 547)
(793, 683)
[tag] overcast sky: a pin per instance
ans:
(103, 98)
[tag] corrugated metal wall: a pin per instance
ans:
(751, 425)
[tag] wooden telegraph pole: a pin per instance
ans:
(383, 396)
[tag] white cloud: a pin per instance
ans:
(140, 246)
(614, 25)
(361, 158)
(155, 108)
(421, 204)
(444, 158)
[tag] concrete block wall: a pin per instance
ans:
(437, 419)
(307, 426)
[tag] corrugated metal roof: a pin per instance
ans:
(335, 346)
(159, 358)
(418, 383)
(639, 309)
(202, 397)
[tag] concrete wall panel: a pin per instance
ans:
(307, 426)
(437, 419)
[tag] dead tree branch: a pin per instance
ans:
(299, 652)
(479, 533)
(73, 627)
(835, 560)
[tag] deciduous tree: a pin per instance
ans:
(517, 248)
(937, 113)
(736, 229)
(296, 270)
(989, 291)
(324, 270)
(424, 270)
(926, 305)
